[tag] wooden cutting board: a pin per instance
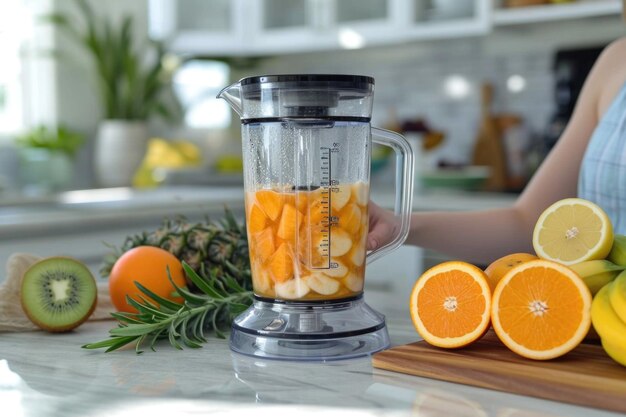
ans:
(585, 376)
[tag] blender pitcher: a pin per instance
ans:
(306, 152)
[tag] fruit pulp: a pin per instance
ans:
(308, 244)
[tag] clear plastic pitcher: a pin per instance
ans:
(306, 152)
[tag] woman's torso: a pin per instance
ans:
(602, 176)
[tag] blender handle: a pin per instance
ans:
(404, 187)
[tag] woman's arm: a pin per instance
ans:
(483, 236)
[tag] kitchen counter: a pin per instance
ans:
(105, 208)
(46, 375)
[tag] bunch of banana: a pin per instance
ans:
(608, 315)
(598, 273)
(618, 251)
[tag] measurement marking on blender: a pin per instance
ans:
(326, 172)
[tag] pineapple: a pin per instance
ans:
(212, 250)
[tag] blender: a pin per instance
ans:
(306, 155)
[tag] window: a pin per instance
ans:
(196, 84)
(14, 28)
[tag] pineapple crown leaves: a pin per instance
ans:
(210, 243)
(184, 324)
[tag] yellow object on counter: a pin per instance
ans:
(165, 154)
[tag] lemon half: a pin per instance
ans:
(573, 230)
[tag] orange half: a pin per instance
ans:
(450, 304)
(541, 309)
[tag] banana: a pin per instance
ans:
(611, 329)
(353, 282)
(596, 274)
(618, 251)
(617, 353)
(338, 270)
(339, 196)
(292, 289)
(322, 284)
(340, 242)
(617, 296)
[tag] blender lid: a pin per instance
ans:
(341, 81)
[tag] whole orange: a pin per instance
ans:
(148, 266)
(498, 268)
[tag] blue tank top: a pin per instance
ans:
(602, 176)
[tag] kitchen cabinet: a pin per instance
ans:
(269, 27)
(266, 27)
(193, 27)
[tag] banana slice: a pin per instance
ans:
(353, 282)
(261, 280)
(340, 242)
(292, 289)
(339, 197)
(360, 191)
(340, 271)
(322, 284)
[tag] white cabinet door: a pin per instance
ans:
(288, 26)
(199, 27)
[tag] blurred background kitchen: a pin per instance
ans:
(122, 93)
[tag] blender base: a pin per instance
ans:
(309, 331)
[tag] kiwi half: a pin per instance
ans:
(58, 294)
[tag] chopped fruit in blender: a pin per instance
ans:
(262, 282)
(281, 264)
(271, 202)
(289, 223)
(340, 242)
(353, 282)
(263, 244)
(357, 255)
(350, 218)
(292, 289)
(302, 202)
(322, 284)
(339, 270)
(340, 196)
(360, 192)
(256, 219)
(299, 236)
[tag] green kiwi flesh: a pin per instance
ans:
(58, 294)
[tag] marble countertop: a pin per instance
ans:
(46, 375)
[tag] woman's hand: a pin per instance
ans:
(383, 226)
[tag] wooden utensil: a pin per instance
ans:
(585, 376)
(488, 149)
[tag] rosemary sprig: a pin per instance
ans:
(183, 324)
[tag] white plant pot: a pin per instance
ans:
(120, 148)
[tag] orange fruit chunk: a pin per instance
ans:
(350, 218)
(263, 245)
(256, 219)
(541, 309)
(289, 223)
(271, 202)
(498, 268)
(281, 264)
(450, 304)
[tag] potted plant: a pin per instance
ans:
(47, 157)
(133, 83)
